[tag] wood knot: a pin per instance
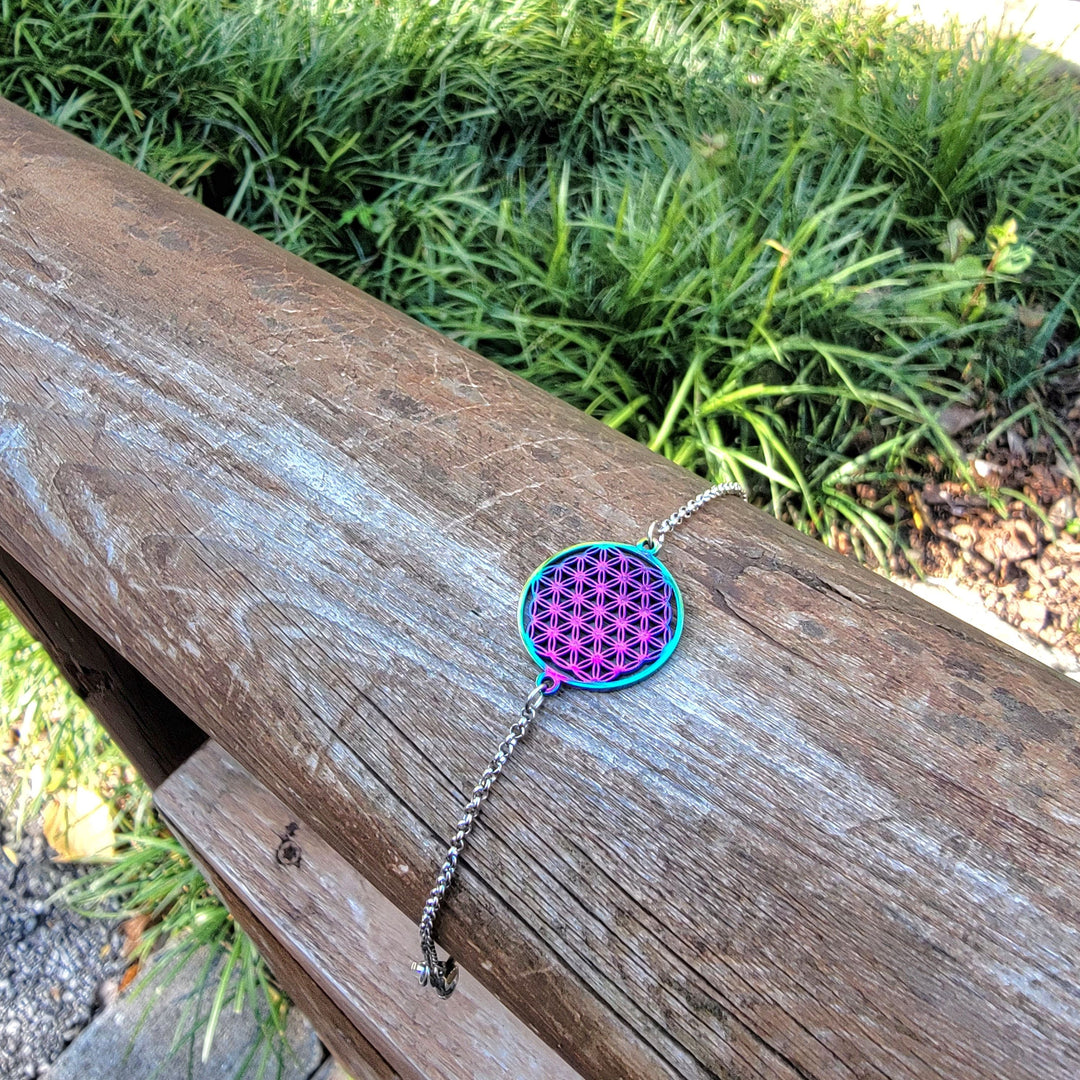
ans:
(288, 851)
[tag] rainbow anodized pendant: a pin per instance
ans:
(600, 616)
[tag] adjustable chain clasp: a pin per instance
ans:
(431, 970)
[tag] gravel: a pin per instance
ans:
(53, 963)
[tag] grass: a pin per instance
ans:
(53, 742)
(765, 241)
(716, 228)
(152, 879)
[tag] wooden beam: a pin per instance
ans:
(152, 732)
(836, 836)
(342, 1039)
(345, 935)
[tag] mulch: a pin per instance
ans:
(1022, 555)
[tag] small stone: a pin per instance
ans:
(1062, 512)
(1033, 615)
(108, 992)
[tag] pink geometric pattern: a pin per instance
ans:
(600, 613)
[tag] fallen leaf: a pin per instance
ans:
(128, 977)
(1017, 444)
(954, 496)
(12, 854)
(1031, 317)
(133, 931)
(78, 824)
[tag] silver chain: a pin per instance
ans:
(442, 974)
(659, 529)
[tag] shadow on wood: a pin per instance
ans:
(153, 733)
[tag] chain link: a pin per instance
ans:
(442, 974)
(659, 529)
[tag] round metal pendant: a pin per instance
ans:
(601, 616)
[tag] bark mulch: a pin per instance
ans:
(1025, 564)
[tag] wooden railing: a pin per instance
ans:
(836, 836)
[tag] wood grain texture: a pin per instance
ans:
(344, 933)
(154, 734)
(835, 837)
(338, 1033)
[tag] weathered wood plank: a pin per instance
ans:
(344, 933)
(339, 1034)
(835, 837)
(154, 734)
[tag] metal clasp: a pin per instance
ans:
(441, 975)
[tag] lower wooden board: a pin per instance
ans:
(346, 1044)
(337, 944)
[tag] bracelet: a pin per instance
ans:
(597, 616)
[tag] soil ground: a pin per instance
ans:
(1014, 535)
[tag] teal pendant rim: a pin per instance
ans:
(633, 677)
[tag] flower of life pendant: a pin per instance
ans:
(600, 616)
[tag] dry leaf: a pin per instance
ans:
(129, 976)
(77, 824)
(957, 418)
(133, 931)
(1031, 317)
(1017, 444)
(12, 854)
